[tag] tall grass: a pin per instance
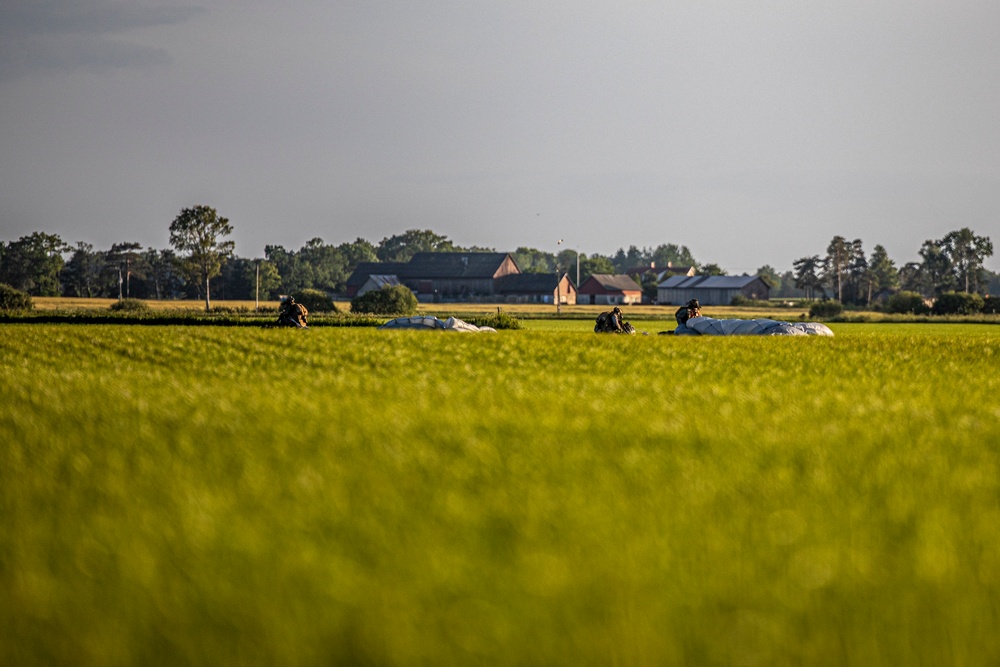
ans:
(246, 496)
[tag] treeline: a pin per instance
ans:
(846, 273)
(44, 265)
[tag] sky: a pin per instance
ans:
(750, 132)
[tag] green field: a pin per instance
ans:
(240, 496)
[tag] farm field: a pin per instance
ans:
(226, 495)
(456, 309)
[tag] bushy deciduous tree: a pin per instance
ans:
(826, 308)
(14, 300)
(402, 247)
(907, 302)
(770, 276)
(532, 260)
(966, 253)
(390, 300)
(957, 303)
(935, 275)
(711, 269)
(316, 301)
(32, 263)
(197, 233)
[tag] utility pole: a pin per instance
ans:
(558, 281)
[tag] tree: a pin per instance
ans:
(13, 300)
(532, 260)
(958, 303)
(161, 273)
(882, 273)
(198, 231)
(650, 287)
(390, 300)
(770, 276)
(856, 273)
(82, 273)
(32, 263)
(807, 277)
(624, 260)
(329, 269)
(354, 254)
(835, 264)
(402, 247)
(936, 275)
(127, 259)
(296, 275)
(711, 270)
(263, 276)
(967, 252)
(589, 266)
(670, 254)
(911, 278)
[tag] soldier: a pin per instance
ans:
(292, 314)
(609, 322)
(687, 311)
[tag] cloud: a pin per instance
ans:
(63, 35)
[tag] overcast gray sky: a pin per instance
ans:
(751, 132)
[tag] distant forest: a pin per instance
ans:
(44, 265)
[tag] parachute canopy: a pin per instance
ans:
(428, 322)
(708, 326)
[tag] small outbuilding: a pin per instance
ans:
(604, 288)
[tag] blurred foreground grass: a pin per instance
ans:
(242, 496)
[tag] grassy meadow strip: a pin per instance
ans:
(208, 495)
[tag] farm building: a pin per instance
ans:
(536, 288)
(377, 282)
(436, 276)
(711, 290)
(365, 270)
(605, 288)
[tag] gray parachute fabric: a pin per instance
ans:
(708, 326)
(427, 323)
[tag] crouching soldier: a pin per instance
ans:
(613, 322)
(292, 314)
(609, 322)
(691, 309)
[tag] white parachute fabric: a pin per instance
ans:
(422, 322)
(455, 324)
(709, 326)
(815, 328)
(427, 322)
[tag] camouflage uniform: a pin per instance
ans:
(293, 314)
(609, 322)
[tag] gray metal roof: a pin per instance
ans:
(429, 265)
(381, 281)
(365, 269)
(612, 283)
(707, 282)
(527, 283)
